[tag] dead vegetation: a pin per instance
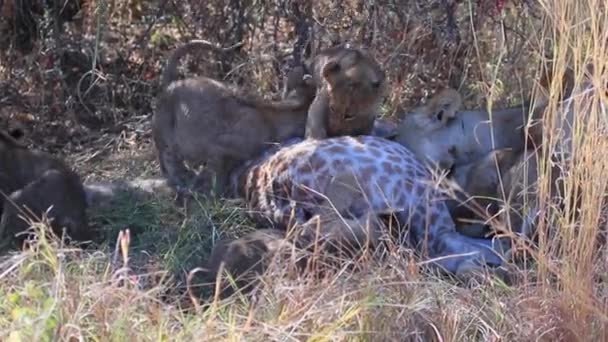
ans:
(83, 87)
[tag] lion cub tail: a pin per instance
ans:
(170, 72)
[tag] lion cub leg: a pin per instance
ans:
(215, 177)
(173, 168)
(317, 120)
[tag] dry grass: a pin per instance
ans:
(53, 292)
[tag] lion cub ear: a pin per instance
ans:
(330, 70)
(443, 106)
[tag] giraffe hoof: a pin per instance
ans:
(472, 266)
(463, 255)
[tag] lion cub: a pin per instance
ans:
(350, 86)
(243, 259)
(445, 135)
(33, 181)
(201, 120)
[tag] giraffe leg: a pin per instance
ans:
(461, 254)
(448, 249)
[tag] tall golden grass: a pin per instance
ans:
(571, 256)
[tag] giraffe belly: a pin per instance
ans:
(294, 180)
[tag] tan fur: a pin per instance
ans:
(521, 188)
(520, 180)
(350, 86)
(444, 105)
(575, 99)
(469, 143)
(476, 184)
(244, 259)
(441, 134)
(38, 180)
(516, 178)
(343, 236)
(201, 120)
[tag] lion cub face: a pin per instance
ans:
(426, 129)
(350, 86)
(355, 83)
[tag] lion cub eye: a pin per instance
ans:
(440, 115)
(376, 84)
